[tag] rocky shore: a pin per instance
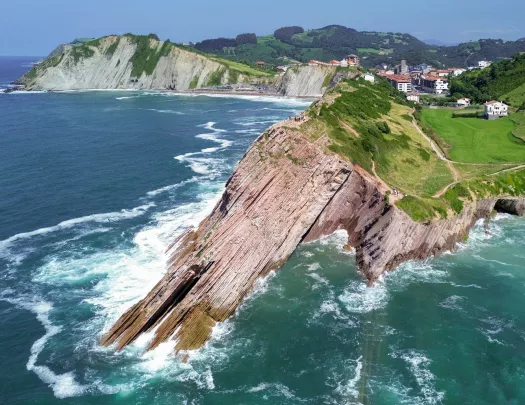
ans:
(286, 190)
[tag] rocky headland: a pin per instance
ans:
(289, 188)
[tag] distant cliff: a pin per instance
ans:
(144, 62)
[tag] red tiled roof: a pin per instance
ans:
(434, 78)
(491, 102)
(399, 78)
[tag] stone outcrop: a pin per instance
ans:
(107, 63)
(287, 189)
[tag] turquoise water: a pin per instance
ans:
(93, 187)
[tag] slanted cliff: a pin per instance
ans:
(293, 186)
(146, 63)
(134, 62)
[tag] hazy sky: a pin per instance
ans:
(35, 27)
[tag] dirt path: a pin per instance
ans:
(439, 153)
(385, 187)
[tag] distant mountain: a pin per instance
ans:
(291, 44)
(438, 42)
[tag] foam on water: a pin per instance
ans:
(165, 111)
(63, 385)
(71, 223)
(202, 165)
(359, 298)
(348, 388)
(419, 366)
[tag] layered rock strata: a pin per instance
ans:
(286, 190)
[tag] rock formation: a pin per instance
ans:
(287, 189)
(125, 62)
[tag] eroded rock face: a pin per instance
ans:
(286, 190)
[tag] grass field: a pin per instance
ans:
(476, 140)
(519, 120)
(517, 96)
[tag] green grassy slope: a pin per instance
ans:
(476, 140)
(371, 125)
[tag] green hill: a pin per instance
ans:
(335, 42)
(503, 80)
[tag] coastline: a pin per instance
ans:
(199, 92)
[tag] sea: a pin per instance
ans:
(95, 184)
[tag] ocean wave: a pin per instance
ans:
(202, 165)
(273, 389)
(63, 385)
(348, 388)
(453, 302)
(253, 123)
(126, 97)
(165, 111)
(70, 223)
(418, 365)
(171, 187)
(359, 298)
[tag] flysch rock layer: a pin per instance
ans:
(286, 190)
(180, 70)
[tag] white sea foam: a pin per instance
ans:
(348, 388)
(360, 298)
(252, 123)
(171, 187)
(70, 223)
(201, 165)
(63, 385)
(453, 302)
(494, 326)
(126, 97)
(165, 111)
(273, 389)
(418, 365)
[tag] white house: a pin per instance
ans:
(457, 72)
(344, 63)
(495, 109)
(463, 102)
(484, 63)
(369, 77)
(434, 84)
(413, 96)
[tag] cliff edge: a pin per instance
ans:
(147, 63)
(295, 184)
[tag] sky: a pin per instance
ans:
(36, 27)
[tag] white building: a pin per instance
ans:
(434, 84)
(370, 78)
(457, 72)
(402, 83)
(344, 63)
(413, 96)
(495, 109)
(484, 63)
(463, 102)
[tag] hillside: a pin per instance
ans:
(147, 63)
(503, 80)
(135, 62)
(335, 41)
